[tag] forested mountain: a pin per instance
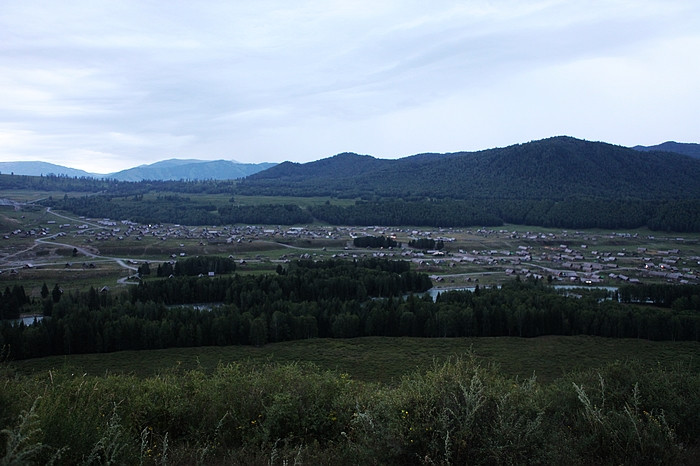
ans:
(345, 165)
(690, 149)
(555, 168)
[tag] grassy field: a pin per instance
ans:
(302, 202)
(386, 360)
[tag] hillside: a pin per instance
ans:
(554, 168)
(345, 165)
(693, 150)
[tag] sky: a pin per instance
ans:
(104, 86)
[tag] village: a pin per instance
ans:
(479, 255)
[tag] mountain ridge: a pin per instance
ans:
(164, 170)
(685, 148)
(361, 169)
(37, 168)
(553, 168)
(177, 169)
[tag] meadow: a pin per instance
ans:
(386, 360)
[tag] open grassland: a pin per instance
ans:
(386, 360)
(302, 202)
(28, 195)
(74, 278)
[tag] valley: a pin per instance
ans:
(108, 252)
(354, 314)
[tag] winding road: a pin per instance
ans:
(51, 240)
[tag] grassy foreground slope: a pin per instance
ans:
(385, 359)
(457, 411)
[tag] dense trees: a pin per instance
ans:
(113, 187)
(337, 299)
(12, 302)
(426, 243)
(178, 209)
(284, 214)
(194, 266)
(575, 212)
(682, 216)
(680, 297)
(443, 213)
(375, 242)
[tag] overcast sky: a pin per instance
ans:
(107, 85)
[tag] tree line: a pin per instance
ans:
(328, 299)
(680, 216)
(64, 183)
(192, 266)
(375, 242)
(178, 209)
(664, 215)
(426, 243)
(678, 297)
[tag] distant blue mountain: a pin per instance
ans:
(179, 169)
(173, 169)
(690, 149)
(41, 168)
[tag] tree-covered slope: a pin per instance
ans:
(345, 165)
(555, 168)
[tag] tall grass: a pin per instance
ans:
(457, 412)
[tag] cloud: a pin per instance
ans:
(111, 85)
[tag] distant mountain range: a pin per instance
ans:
(40, 168)
(578, 165)
(556, 168)
(690, 149)
(178, 169)
(173, 169)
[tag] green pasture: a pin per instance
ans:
(29, 195)
(225, 199)
(75, 278)
(387, 360)
(302, 202)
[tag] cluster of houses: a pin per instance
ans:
(34, 232)
(564, 262)
(538, 254)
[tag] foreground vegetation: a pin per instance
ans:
(455, 413)
(387, 360)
